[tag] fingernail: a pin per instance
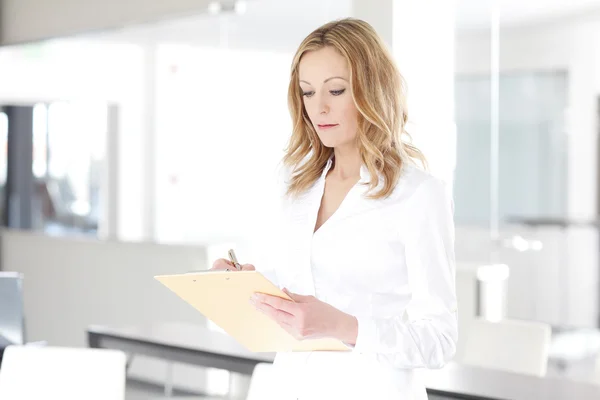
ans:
(255, 297)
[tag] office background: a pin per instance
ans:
(154, 133)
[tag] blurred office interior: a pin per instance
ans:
(141, 138)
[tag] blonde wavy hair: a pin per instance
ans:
(378, 91)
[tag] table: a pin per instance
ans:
(200, 346)
(465, 382)
(184, 343)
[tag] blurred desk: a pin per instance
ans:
(184, 343)
(200, 346)
(456, 381)
(559, 222)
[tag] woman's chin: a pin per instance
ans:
(330, 141)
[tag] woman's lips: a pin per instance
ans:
(327, 126)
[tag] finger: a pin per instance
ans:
(288, 328)
(289, 294)
(297, 297)
(281, 317)
(222, 263)
(277, 302)
(248, 267)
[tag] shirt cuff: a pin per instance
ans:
(367, 333)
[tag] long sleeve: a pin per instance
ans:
(265, 242)
(265, 248)
(425, 335)
(269, 273)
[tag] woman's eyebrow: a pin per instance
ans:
(326, 80)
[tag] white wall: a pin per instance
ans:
(85, 71)
(70, 284)
(571, 255)
(30, 20)
(570, 45)
(221, 131)
(197, 146)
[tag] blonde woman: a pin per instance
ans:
(367, 235)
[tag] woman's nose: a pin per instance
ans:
(323, 107)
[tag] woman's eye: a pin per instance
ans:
(337, 92)
(307, 94)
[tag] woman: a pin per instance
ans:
(367, 236)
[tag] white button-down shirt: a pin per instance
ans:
(390, 263)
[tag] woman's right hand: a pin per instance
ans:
(223, 264)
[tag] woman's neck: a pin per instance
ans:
(346, 164)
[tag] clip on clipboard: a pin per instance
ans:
(222, 297)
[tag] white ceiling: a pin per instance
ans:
(281, 24)
(268, 24)
(477, 13)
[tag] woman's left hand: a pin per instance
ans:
(307, 317)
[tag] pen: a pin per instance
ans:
(234, 260)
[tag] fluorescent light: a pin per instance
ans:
(240, 6)
(214, 7)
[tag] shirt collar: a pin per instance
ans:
(327, 166)
(365, 175)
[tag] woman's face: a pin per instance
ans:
(325, 83)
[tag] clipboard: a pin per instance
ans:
(222, 297)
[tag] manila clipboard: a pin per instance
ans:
(222, 297)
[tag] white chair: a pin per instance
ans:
(34, 372)
(509, 345)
